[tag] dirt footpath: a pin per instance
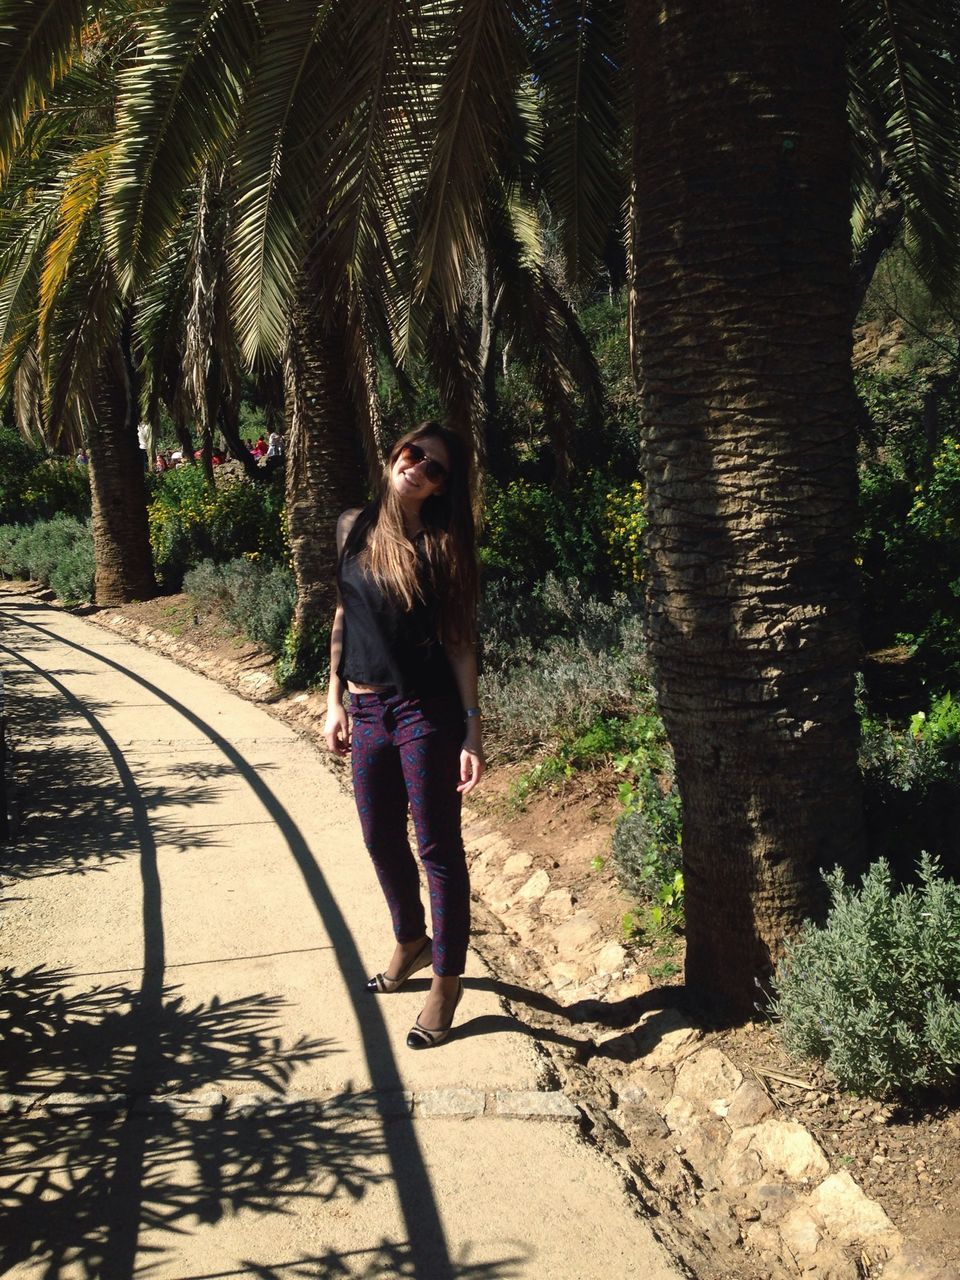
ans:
(195, 1082)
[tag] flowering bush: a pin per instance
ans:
(624, 523)
(191, 521)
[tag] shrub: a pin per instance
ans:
(57, 486)
(646, 840)
(256, 597)
(57, 553)
(592, 533)
(911, 782)
(875, 992)
(190, 521)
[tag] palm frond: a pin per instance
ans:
(474, 110)
(81, 192)
(28, 396)
(277, 171)
(41, 40)
(903, 58)
(579, 71)
(179, 106)
(86, 321)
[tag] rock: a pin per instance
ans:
(459, 1104)
(708, 1076)
(850, 1217)
(656, 1086)
(749, 1106)
(636, 985)
(565, 974)
(535, 887)
(665, 1036)
(258, 686)
(712, 1216)
(517, 864)
(681, 1115)
(801, 1234)
(520, 922)
(908, 1263)
(639, 1114)
(611, 959)
(553, 1105)
(773, 1199)
(784, 1148)
(575, 934)
(557, 904)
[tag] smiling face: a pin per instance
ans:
(410, 473)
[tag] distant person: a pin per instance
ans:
(143, 436)
(161, 464)
(275, 445)
(83, 457)
(260, 448)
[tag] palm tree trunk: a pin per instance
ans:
(742, 296)
(121, 540)
(324, 476)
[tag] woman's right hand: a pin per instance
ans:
(337, 729)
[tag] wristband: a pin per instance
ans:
(471, 712)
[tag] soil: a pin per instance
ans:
(909, 1161)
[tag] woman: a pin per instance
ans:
(403, 646)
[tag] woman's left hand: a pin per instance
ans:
(472, 764)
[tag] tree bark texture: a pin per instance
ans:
(325, 472)
(121, 539)
(742, 294)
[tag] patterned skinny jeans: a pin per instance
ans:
(406, 753)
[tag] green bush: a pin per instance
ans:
(911, 783)
(57, 553)
(57, 486)
(592, 533)
(875, 992)
(191, 522)
(33, 487)
(256, 597)
(646, 840)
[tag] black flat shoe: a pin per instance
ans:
(382, 985)
(421, 1037)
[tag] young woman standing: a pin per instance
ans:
(403, 650)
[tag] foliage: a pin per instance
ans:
(57, 553)
(646, 840)
(191, 521)
(256, 596)
(33, 487)
(911, 776)
(593, 533)
(564, 688)
(909, 541)
(304, 660)
(875, 992)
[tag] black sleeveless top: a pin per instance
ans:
(384, 644)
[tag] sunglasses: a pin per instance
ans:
(434, 471)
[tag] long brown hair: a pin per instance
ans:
(449, 538)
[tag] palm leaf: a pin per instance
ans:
(41, 39)
(903, 57)
(81, 192)
(179, 106)
(277, 172)
(579, 71)
(474, 111)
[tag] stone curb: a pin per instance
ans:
(210, 1104)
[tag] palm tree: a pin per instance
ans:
(741, 266)
(64, 330)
